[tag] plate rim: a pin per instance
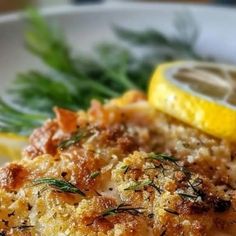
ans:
(115, 6)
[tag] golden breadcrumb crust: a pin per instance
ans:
(140, 172)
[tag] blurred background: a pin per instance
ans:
(13, 5)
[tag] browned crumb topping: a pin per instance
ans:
(123, 169)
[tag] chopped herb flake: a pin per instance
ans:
(122, 208)
(162, 157)
(75, 138)
(125, 168)
(95, 174)
(171, 211)
(60, 185)
(139, 185)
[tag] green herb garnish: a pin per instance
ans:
(186, 195)
(158, 189)
(166, 47)
(71, 80)
(75, 138)
(122, 208)
(162, 157)
(14, 120)
(125, 168)
(171, 211)
(60, 185)
(139, 185)
(95, 174)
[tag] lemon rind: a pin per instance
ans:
(209, 116)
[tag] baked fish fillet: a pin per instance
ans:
(119, 169)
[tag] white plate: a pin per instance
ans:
(85, 25)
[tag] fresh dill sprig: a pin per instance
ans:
(51, 47)
(13, 120)
(75, 138)
(95, 174)
(59, 185)
(122, 208)
(44, 90)
(73, 80)
(48, 43)
(162, 157)
(139, 185)
(163, 47)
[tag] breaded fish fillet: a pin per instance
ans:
(119, 169)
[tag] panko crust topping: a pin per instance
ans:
(119, 169)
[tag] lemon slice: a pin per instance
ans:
(198, 93)
(11, 146)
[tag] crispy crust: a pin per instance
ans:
(13, 176)
(191, 196)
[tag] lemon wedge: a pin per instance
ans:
(201, 94)
(11, 146)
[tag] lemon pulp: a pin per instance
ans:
(200, 94)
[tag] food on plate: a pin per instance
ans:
(71, 80)
(122, 168)
(127, 165)
(199, 93)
